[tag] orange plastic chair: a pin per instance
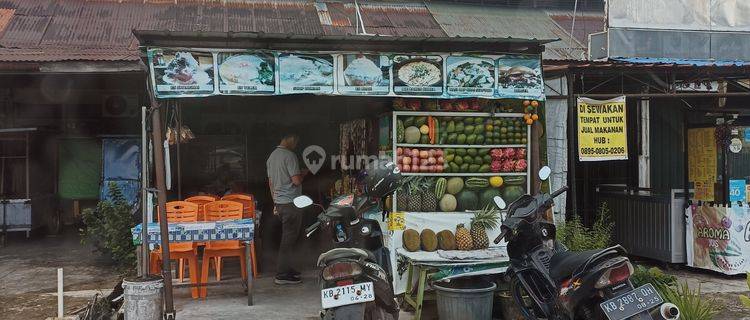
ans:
(201, 201)
(248, 212)
(215, 211)
(180, 211)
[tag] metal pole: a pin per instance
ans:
(572, 144)
(178, 132)
(28, 180)
(659, 95)
(144, 195)
(161, 186)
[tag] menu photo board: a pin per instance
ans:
(181, 73)
(520, 77)
(418, 75)
(470, 76)
(305, 73)
(246, 72)
(363, 74)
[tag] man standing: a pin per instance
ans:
(285, 182)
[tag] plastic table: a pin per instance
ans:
(201, 231)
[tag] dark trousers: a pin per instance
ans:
(291, 222)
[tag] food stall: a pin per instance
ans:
(475, 105)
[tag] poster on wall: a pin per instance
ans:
(363, 74)
(418, 75)
(246, 72)
(181, 73)
(305, 73)
(470, 76)
(702, 163)
(520, 77)
(718, 238)
(602, 129)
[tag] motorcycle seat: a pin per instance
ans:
(564, 264)
(343, 253)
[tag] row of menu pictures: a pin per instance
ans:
(191, 74)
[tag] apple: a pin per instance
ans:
(414, 161)
(431, 152)
(440, 160)
(424, 168)
(415, 152)
(424, 154)
(406, 161)
(431, 160)
(406, 168)
(399, 151)
(439, 152)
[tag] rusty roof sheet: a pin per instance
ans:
(494, 21)
(58, 30)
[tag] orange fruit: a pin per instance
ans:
(526, 103)
(535, 117)
(534, 103)
(529, 121)
(526, 116)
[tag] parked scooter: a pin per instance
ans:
(354, 280)
(561, 284)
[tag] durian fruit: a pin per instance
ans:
(410, 239)
(446, 240)
(429, 240)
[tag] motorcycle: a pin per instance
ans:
(565, 285)
(354, 281)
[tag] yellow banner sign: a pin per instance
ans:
(602, 130)
(396, 221)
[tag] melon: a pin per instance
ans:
(467, 200)
(454, 185)
(411, 240)
(448, 203)
(412, 135)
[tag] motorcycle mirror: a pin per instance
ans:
(302, 202)
(544, 173)
(499, 202)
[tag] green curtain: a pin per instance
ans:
(80, 168)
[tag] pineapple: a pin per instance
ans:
(429, 199)
(415, 195)
(483, 220)
(402, 199)
(463, 238)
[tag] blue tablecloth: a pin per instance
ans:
(242, 229)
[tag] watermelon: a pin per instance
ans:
(467, 200)
(512, 193)
(488, 197)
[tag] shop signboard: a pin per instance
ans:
(206, 72)
(363, 74)
(470, 76)
(519, 77)
(181, 73)
(305, 73)
(602, 130)
(246, 72)
(718, 238)
(418, 75)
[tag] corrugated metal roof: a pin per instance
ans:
(44, 30)
(684, 62)
(586, 23)
(489, 21)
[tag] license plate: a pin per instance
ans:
(629, 304)
(345, 295)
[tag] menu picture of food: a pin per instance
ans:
(305, 73)
(418, 75)
(246, 73)
(520, 77)
(364, 74)
(182, 73)
(470, 76)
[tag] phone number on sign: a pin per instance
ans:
(603, 151)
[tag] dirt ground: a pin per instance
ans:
(28, 275)
(722, 289)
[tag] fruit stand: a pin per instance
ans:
(456, 156)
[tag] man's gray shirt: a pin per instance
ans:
(281, 166)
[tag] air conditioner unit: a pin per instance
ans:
(120, 106)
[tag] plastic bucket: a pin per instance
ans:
(144, 298)
(462, 299)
